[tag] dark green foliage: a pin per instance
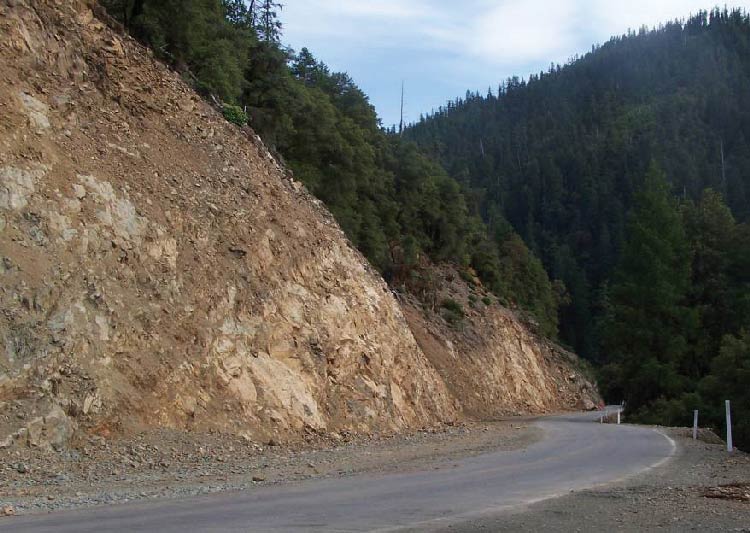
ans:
(487, 300)
(687, 348)
(195, 37)
(466, 276)
(674, 328)
(234, 114)
(453, 306)
(648, 325)
(657, 293)
(560, 155)
(729, 378)
(453, 312)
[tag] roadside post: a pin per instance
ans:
(695, 424)
(618, 415)
(729, 427)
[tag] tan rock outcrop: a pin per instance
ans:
(491, 361)
(159, 267)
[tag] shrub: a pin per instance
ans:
(487, 300)
(453, 306)
(453, 312)
(466, 276)
(235, 115)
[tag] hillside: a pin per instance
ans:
(162, 270)
(627, 172)
(492, 362)
(395, 205)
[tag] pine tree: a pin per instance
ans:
(267, 20)
(647, 331)
(710, 227)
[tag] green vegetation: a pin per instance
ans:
(627, 172)
(648, 325)
(234, 114)
(453, 312)
(396, 205)
(674, 329)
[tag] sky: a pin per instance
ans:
(442, 48)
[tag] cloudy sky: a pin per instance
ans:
(441, 48)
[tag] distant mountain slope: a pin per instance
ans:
(560, 155)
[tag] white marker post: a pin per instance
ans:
(618, 415)
(695, 424)
(729, 428)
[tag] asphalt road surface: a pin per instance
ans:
(575, 453)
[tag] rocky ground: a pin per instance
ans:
(163, 463)
(702, 488)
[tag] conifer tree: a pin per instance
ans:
(646, 334)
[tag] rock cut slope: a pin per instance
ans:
(492, 361)
(159, 268)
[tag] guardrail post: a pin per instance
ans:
(695, 424)
(729, 427)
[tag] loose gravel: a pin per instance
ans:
(170, 464)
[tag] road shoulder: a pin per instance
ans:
(692, 491)
(170, 464)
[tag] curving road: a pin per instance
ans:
(574, 454)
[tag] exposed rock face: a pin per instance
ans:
(492, 363)
(158, 268)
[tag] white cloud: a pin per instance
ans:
(383, 9)
(519, 32)
(376, 22)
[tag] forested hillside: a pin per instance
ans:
(397, 206)
(628, 172)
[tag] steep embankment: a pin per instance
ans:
(490, 360)
(160, 269)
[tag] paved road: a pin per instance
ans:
(574, 454)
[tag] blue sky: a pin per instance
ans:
(441, 48)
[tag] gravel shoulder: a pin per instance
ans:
(672, 497)
(169, 464)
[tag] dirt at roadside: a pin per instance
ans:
(163, 464)
(702, 488)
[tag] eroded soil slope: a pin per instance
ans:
(160, 269)
(492, 361)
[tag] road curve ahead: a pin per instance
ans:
(575, 453)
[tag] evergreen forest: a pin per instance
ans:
(627, 172)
